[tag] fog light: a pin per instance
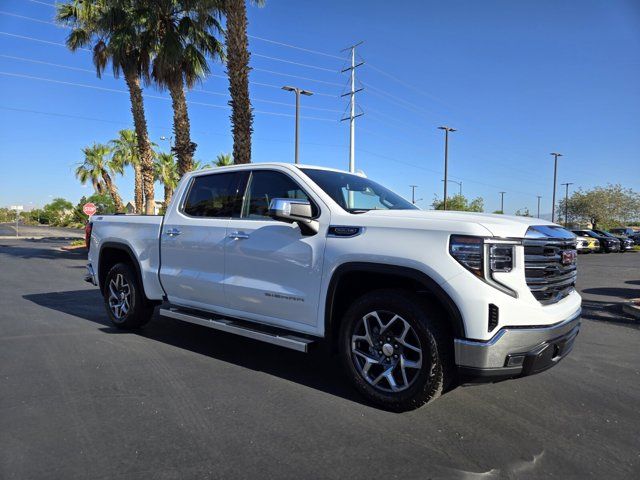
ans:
(515, 360)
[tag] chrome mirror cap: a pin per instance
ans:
(294, 210)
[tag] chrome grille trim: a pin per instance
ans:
(548, 279)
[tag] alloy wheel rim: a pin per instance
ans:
(119, 296)
(386, 351)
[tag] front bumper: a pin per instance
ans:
(515, 352)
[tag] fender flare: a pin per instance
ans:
(126, 249)
(430, 285)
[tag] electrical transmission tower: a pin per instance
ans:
(352, 105)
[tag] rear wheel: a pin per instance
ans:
(124, 299)
(395, 349)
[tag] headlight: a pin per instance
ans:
(468, 251)
(501, 258)
(483, 257)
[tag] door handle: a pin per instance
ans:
(173, 232)
(238, 235)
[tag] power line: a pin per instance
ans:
(277, 59)
(24, 37)
(160, 127)
(146, 95)
(255, 37)
(295, 76)
(57, 65)
(308, 50)
(403, 83)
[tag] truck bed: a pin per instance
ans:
(141, 235)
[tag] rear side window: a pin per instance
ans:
(215, 196)
(264, 186)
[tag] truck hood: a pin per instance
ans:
(498, 225)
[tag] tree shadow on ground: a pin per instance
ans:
(317, 369)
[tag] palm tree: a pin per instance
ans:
(238, 73)
(181, 34)
(112, 30)
(97, 167)
(223, 160)
(198, 165)
(167, 174)
(125, 153)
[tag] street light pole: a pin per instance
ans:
(168, 139)
(459, 185)
(555, 179)
(446, 159)
(539, 197)
(298, 92)
(502, 202)
(566, 203)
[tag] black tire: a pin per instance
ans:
(138, 310)
(428, 328)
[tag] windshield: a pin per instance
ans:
(605, 234)
(357, 194)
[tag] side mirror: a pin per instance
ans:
(292, 210)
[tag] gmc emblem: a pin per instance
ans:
(569, 257)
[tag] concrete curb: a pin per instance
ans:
(632, 308)
(38, 237)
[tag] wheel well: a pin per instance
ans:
(112, 254)
(351, 281)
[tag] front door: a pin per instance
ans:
(193, 238)
(273, 271)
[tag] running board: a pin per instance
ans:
(226, 325)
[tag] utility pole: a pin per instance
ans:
(352, 105)
(413, 193)
(298, 92)
(555, 179)
(566, 203)
(502, 202)
(539, 197)
(446, 160)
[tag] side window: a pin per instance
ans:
(214, 196)
(264, 186)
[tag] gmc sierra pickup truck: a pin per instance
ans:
(415, 302)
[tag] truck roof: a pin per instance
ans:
(270, 164)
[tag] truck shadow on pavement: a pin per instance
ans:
(318, 369)
(607, 312)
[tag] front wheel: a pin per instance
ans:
(124, 299)
(395, 349)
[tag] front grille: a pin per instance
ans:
(548, 279)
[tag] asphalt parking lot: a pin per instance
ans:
(80, 399)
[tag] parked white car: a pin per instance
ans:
(414, 301)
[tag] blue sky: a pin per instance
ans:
(518, 79)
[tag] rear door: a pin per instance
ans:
(193, 238)
(273, 271)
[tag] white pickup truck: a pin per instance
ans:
(414, 301)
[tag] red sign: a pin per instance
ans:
(89, 209)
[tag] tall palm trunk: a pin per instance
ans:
(138, 190)
(168, 193)
(144, 145)
(183, 147)
(113, 191)
(97, 186)
(238, 73)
